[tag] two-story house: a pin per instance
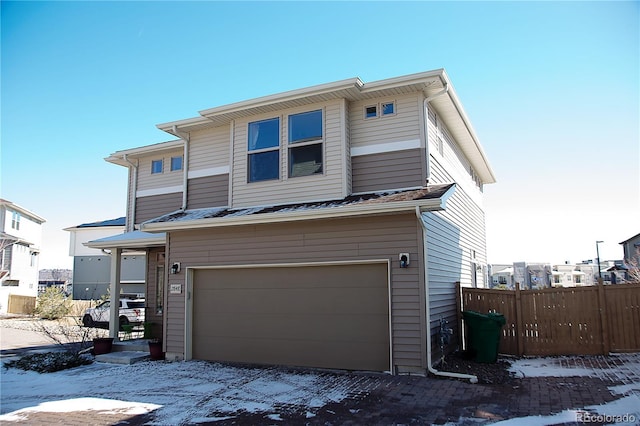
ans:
(20, 241)
(324, 227)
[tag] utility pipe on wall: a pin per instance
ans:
(130, 224)
(470, 377)
(186, 137)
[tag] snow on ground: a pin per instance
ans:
(179, 392)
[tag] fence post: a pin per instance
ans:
(459, 314)
(519, 325)
(602, 310)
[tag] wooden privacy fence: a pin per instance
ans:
(562, 321)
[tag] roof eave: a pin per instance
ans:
(279, 217)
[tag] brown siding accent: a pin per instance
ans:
(389, 170)
(209, 191)
(379, 237)
(327, 316)
(157, 205)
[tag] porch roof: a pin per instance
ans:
(430, 198)
(133, 240)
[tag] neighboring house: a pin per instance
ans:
(324, 227)
(92, 267)
(20, 241)
(501, 276)
(631, 248)
(531, 276)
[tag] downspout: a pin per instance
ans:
(426, 101)
(186, 137)
(470, 377)
(134, 189)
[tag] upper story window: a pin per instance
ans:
(371, 111)
(388, 108)
(305, 144)
(15, 221)
(264, 150)
(383, 109)
(156, 166)
(176, 163)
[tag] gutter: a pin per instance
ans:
(134, 189)
(470, 377)
(425, 103)
(186, 137)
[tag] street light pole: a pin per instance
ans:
(598, 254)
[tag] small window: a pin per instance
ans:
(176, 163)
(371, 111)
(263, 146)
(156, 166)
(15, 221)
(388, 108)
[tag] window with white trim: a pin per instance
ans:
(263, 147)
(387, 108)
(15, 221)
(371, 111)
(306, 153)
(156, 166)
(176, 163)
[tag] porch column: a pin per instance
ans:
(116, 261)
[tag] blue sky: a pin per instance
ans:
(552, 89)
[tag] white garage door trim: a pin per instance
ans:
(190, 272)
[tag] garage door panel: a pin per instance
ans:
(303, 353)
(316, 300)
(322, 316)
(322, 327)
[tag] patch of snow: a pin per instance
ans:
(197, 392)
(545, 367)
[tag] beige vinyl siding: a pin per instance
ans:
(328, 185)
(209, 191)
(404, 125)
(373, 238)
(447, 154)
(389, 170)
(157, 205)
(209, 148)
(166, 179)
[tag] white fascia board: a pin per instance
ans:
(129, 243)
(284, 96)
(405, 80)
(327, 213)
(118, 156)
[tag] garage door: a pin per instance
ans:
(329, 316)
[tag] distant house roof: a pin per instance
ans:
(430, 198)
(109, 222)
(12, 206)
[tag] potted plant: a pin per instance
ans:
(155, 349)
(102, 345)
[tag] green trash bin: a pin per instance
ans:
(483, 334)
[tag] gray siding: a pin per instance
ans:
(382, 237)
(210, 191)
(157, 205)
(390, 170)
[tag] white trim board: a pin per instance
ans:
(385, 147)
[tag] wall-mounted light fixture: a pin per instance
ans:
(175, 268)
(404, 260)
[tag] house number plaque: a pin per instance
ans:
(175, 288)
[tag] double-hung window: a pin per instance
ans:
(264, 150)
(305, 144)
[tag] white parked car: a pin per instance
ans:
(131, 312)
